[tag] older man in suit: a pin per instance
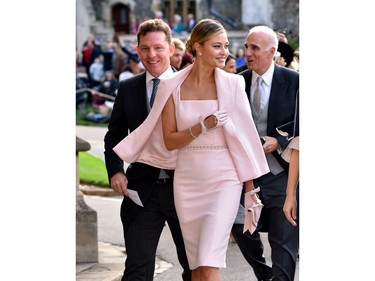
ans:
(271, 90)
(143, 221)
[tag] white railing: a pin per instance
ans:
(94, 92)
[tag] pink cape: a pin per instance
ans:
(146, 144)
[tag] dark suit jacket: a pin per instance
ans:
(281, 107)
(129, 111)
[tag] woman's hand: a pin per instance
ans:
(221, 118)
(213, 121)
(290, 209)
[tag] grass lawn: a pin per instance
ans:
(92, 170)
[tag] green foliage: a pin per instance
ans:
(92, 170)
(293, 42)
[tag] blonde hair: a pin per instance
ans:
(203, 31)
(179, 44)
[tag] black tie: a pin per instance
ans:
(154, 89)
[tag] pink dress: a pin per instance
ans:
(207, 189)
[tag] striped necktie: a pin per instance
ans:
(154, 90)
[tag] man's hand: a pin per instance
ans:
(271, 144)
(119, 183)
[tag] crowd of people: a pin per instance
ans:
(210, 107)
(121, 59)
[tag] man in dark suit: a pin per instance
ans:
(143, 226)
(190, 23)
(274, 107)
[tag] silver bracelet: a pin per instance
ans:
(191, 133)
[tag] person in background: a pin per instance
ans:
(108, 55)
(126, 73)
(240, 60)
(202, 114)
(240, 57)
(177, 25)
(119, 60)
(277, 87)
(96, 50)
(179, 51)
(132, 68)
(295, 62)
(230, 64)
(281, 37)
(291, 155)
(87, 47)
(96, 71)
(134, 25)
(187, 60)
(130, 49)
(143, 225)
(109, 87)
(286, 54)
(190, 22)
(159, 15)
(237, 235)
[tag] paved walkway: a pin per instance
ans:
(95, 136)
(111, 265)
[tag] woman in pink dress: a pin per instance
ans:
(206, 111)
(200, 125)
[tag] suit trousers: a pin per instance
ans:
(262, 268)
(254, 256)
(282, 236)
(142, 234)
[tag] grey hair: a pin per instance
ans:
(272, 36)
